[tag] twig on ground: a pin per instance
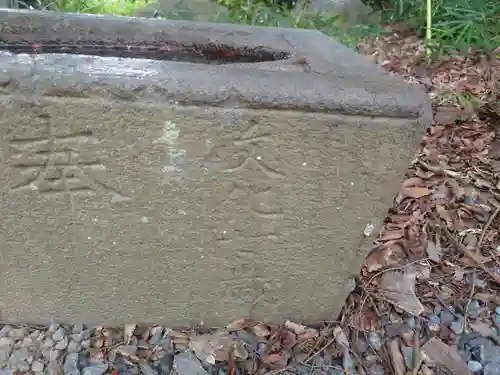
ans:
(316, 344)
(417, 358)
(466, 312)
(309, 357)
(471, 255)
(485, 229)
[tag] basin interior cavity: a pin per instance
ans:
(212, 54)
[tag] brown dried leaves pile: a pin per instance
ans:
(444, 223)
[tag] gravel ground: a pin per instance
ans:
(426, 302)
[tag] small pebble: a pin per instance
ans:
(28, 341)
(6, 341)
(4, 332)
(445, 292)
(112, 356)
(491, 368)
(395, 318)
(5, 353)
(496, 319)
(61, 345)
(53, 354)
(54, 368)
(74, 347)
(77, 328)
(35, 335)
(59, 334)
(475, 309)
(23, 367)
(19, 356)
(457, 327)
(156, 334)
(434, 322)
(164, 364)
(53, 328)
(465, 355)
(133, 370)
(447, 317)
(86, 344)
(71, 364)
(408, 356)
(410, 322)
(181, 347)
(18, 333)
(95, 370)
(6, 345)
(96, 358)
(374, 340)
(86, 334)
(48, 343)
(37, 366)
(145, 368)
(187, 364)
(375, 369)
(474, 366)
(76, 337)
(480, 283)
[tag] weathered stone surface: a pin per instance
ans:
(348, 12)
(196, 189)
(191, 10)
(8, 4)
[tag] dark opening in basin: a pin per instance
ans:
(168, 51)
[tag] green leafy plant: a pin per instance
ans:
(451, 25)
(116, 7)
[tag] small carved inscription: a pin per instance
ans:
(248, 145)
(250, 213)
(250, 290)
(52, 164)
(250, 210)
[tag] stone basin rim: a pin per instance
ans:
(194, 84)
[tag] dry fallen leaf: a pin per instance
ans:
(384, 255)
(237, 324)
(488, 297)
(484, 328)
(433, 252)
(341, 337)
(275, 360)
(397, 359)
(178, 337)
(398, 287)
(129, 332)
(128, 352)
(415, 192)
(215, 347)
(392, 234)
(296, 328)
(260, 330)
(436, 351)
